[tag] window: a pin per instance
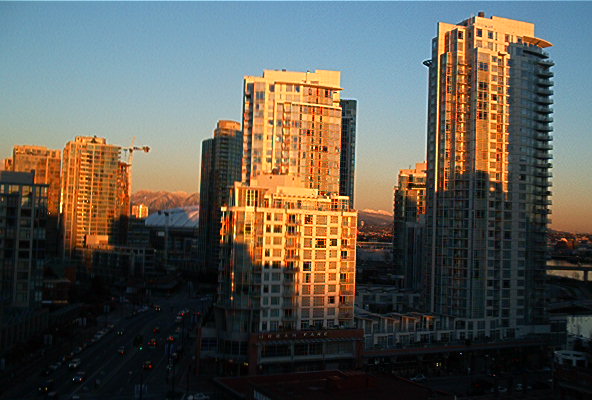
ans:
(479, 32)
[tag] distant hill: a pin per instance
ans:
(162, 200)
(375, 217)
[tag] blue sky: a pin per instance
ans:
(166, 72)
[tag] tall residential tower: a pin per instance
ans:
(292, 125)
(91, 192)
(409, 217)
(221, 158)
(488, 156)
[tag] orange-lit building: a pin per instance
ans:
(292, 125)
(47, 166)
(92, 201)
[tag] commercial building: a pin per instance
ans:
(409, 217)
(287, 266)
(488, 158)
(93, 197)
(292, 125)
(349, 109)
(23, 218)
(221, 159)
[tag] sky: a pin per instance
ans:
(165, 73)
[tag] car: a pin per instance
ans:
(156, 329)
(419, 378)
(75, 363)
(152, 343)
(121, 350)
(179, 319)
(198, 396)
(79, 377)
(148, 364)
(119, 332)
(156, 307)
(46, 386)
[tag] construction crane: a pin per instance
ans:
(130, 159)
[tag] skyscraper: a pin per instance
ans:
(409, 217)
(92, 198)
(23, 212)
(221, 159)
(348, 148)
(47, 165)
(292, 125)
(488, 173)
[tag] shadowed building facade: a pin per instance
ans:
(488, 159)
(23, 218)
(221, 158)
(409, 224)
(349, 110)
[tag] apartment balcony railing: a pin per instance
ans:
(544, 109)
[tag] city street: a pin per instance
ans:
(108, 374)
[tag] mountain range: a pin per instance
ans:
(163, 200)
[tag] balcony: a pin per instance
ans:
(544, 82)
(543, 127)
(546, 62)
(543, 118)
(543, 146)
(543, 100)
(543, 174)
(544, 91)
(544, 73)
(543, 136)
(543, 109)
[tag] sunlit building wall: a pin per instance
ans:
(288, 258)
(47, 166)
(91, 201)
(292, 125)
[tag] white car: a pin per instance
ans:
(75, 363)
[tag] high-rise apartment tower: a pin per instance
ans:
(292, 125)
(92, 198)
(409, 223)
(488, 156)
(221, 158)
